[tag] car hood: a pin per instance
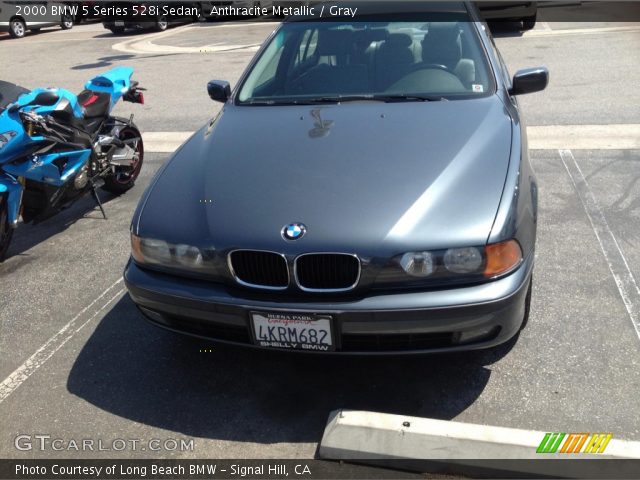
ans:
(363, 176)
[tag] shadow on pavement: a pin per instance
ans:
(145, 374)
(26, 236)
(103, 62)
(504, 29)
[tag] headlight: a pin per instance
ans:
(6, 137)
(463, 260)
(417, 264)
(450, 266)
(151, 251)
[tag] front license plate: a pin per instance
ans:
(297, 331)
(119, 24)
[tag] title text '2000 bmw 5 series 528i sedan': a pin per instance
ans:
(366, 188)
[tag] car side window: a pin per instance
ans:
(267, 66)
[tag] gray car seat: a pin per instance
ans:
(336, 73)
(393, 60)
(442, 45)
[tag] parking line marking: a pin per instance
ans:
(541, 137)
(584, 137)
(618, 265)
(55, 343)
(544, 26)
(579, 31)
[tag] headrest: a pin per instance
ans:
(399, 40)
(442, 43)
(334, 42)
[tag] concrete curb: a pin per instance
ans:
(360, 436)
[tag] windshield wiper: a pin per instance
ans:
(374, 98)
(351, 98)
(273, 102)
(408, 98)
(340, 99)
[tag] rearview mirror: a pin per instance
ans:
(529, 80)
(219, 90)
(46, 99)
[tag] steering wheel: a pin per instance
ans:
(426, 66)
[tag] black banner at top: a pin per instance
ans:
(141, 12)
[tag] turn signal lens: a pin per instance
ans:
(136, 248)
(502, 257)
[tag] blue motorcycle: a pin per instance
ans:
(56, 146)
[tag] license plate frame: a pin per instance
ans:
(296, 321)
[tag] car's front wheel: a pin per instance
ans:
(162, 23)
(17, 28)
(67, 22)
(529, 22)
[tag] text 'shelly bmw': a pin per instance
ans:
(366, 188)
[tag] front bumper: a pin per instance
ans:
(467, 318)
(129, 24)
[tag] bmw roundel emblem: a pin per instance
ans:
(293, 231)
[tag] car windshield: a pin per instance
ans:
(318, 62)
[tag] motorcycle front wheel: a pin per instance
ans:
(124, 178)
(6, 231)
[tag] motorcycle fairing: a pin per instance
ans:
(11, 191)
(116, 82)
(52, 168)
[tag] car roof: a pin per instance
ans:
(392, 9)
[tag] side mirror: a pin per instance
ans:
(219, 90)
(529, 80)
(46, 99)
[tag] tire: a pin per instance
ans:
(6, 231)
(66, 23)
(17, 28)
(529, 22)
(122, 181)
(161, 23)
(117, 30)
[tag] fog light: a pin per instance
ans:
(417, 264)
(486, 333)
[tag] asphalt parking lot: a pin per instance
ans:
(79, 362)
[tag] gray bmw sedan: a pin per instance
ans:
(366, 188)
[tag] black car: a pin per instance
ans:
(120, 16)
(365, 188)
(525, 12)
